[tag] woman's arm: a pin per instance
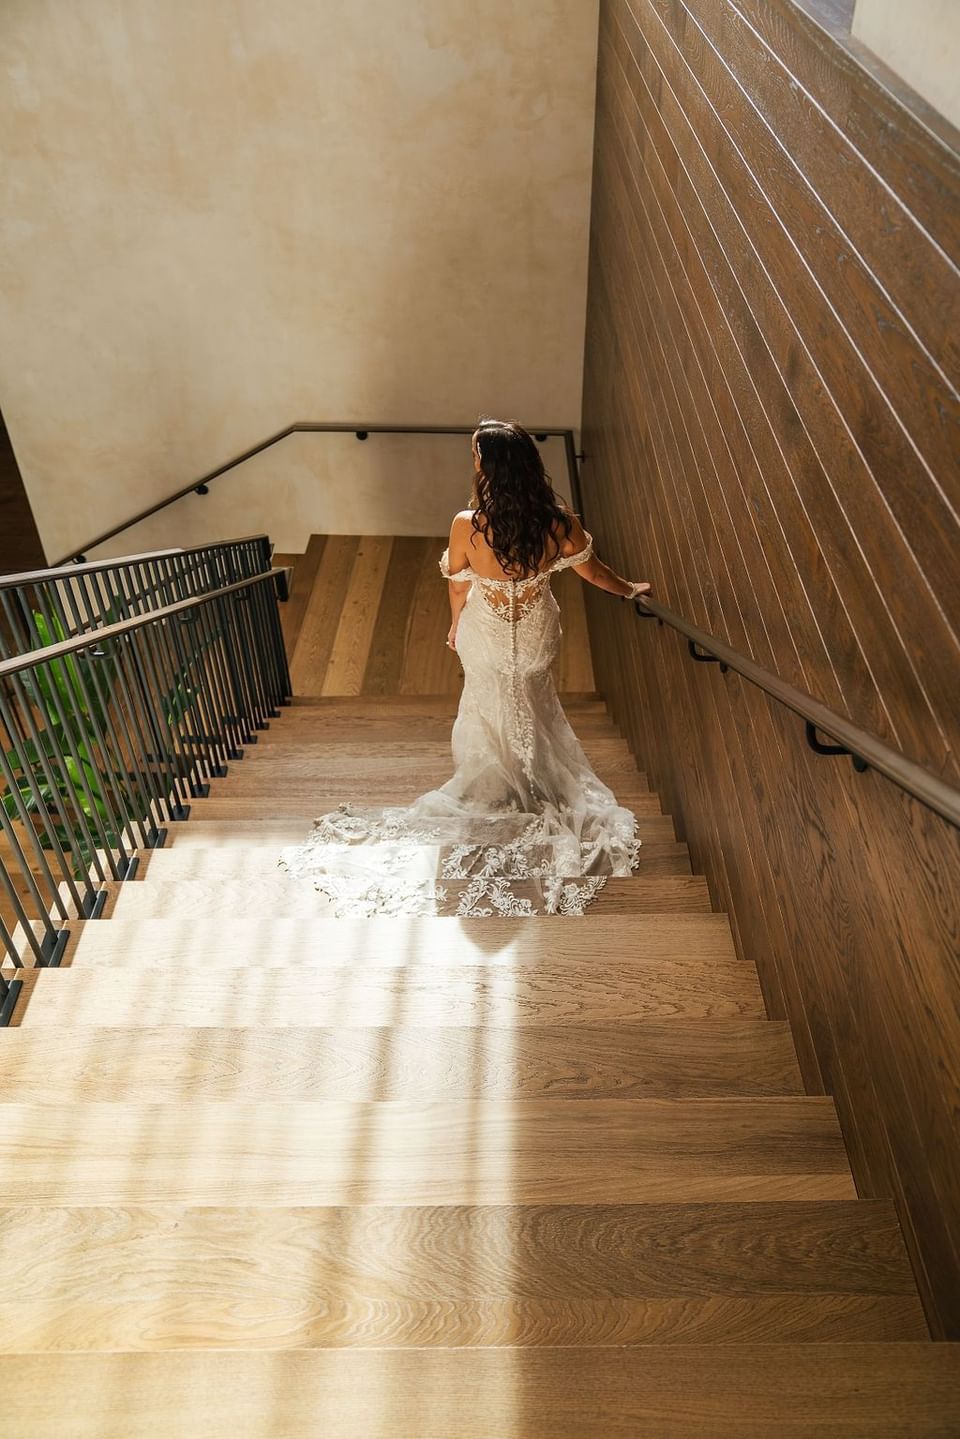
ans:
(595, 572)
(458, 558)
(458, 592)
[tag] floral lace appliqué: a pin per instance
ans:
(524, 826)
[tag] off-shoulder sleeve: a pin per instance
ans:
(567, 562)
(445, 569)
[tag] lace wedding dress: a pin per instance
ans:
(524, 826)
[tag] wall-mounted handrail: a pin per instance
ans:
(362, 432)
(865, 749)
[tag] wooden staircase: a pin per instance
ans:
(269, 1173)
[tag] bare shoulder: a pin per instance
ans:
(460, 534)
(576, 540)
(462, 523)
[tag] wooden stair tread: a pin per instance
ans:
(531, 1251)
(656, 857)
(164, 1062)
(748, 1391)
(282, 744)
(166, 1275)
(293, 730)
(199, 1319)
(272, 766)
(477, 1151)
(329, 790)
(289, 898)
(553, 992)
(274, 802)
(265, 832)
(384, 940)
(576, 701)
(294, 741)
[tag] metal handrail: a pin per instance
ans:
(16, 664)
(39, 606)
(69, 570)
(107, 734)
(362, 431)
(865, 749)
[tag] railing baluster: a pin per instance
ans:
(54, 786)
(92, 755)
(54, 899)
(123, 747)
(97, 741)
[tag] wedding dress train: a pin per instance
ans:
(524, 826)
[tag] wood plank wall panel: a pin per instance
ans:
(773, 435)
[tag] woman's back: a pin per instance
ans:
(471, 549)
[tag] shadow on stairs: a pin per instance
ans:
(294, 1175)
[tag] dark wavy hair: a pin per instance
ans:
(515, 507)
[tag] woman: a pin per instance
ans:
(524, 824)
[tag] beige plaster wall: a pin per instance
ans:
(920, 41)
(218, 218)
(328, 485)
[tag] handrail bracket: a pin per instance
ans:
(818, 747)
(704, 658)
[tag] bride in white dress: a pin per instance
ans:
(524, 826)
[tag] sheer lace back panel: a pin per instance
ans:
(514, 600)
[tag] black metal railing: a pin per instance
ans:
(44, 606)
(108, 734)
(865, 750)
(200, 485)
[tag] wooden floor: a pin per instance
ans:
(368, 615)
(265, 1173)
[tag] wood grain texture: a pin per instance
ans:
(550, 993)
(214, 835)
(304, 574)
(388, 643)
(729, 1391)
(574, 667)
(480, 1151)
(657, 1059)
(451, 1252)
(656, 857)
(182, 1319)
(167, 1276)
(422, 941)
(291, 898)
(771, 420)
(428, 666)
(225, 803)
(370, 617)
(275, 773)
(321, 618)
(358, 617)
